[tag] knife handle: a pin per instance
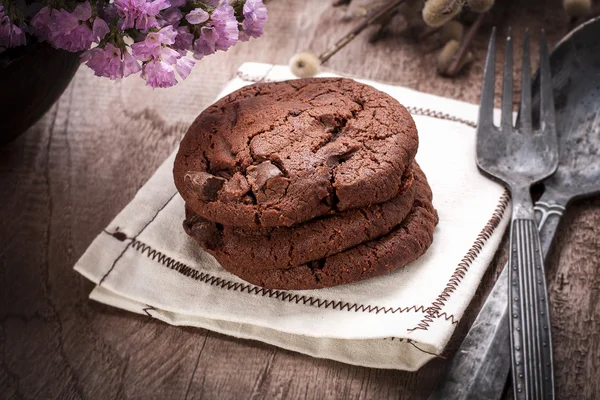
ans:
(481, 365)
(529, 319)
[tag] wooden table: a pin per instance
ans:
(65, 179)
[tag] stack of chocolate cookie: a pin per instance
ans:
(306, 184)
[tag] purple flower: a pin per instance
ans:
(152, 45)
(255, 16)
(68, 34)
(206, 43)
(177, 3)
(10, 34)
(78, 39)
(130, 64)
(62, 22)
(160, 59)
(100, 29)
(220, 33)
(184, 66)
(72, 31)
(183, 40)
(197, 16)
(110, 62)
(42, 22)
(159, 74)
(140, 13)
(226, 26)
(169, 55)
(108, 11)
(83, 11)
(171, 16)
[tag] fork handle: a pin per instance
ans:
(529, 319)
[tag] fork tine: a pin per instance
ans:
(507, 89)
(525, 110)
(486, 109)
(546, 96)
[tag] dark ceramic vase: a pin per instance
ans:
(32, 78)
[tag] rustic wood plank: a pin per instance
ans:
(574, 286)
(64, 180)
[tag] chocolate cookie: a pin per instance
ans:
(277, 154)
(286, 247)
(404, 244)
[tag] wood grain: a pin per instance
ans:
(69, 175)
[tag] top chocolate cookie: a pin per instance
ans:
(276, 154)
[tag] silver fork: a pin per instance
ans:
(520, 156)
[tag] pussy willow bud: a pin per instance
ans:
(446, 57)
(438, 12)
(305, 64)
(577, 8)
(480, 6)
(452, 30)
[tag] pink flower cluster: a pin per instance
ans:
(111, 62)
(220, 33)
(123, 37)
(140, 13)
(160, 60)
(255, 15)
(73, 31)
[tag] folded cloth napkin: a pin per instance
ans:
(144, 262)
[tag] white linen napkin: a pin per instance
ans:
(145, 263)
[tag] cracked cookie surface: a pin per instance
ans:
(402, 245)
(286, 247)
(278, 154)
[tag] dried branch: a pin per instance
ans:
(466, 43)
(358, 29)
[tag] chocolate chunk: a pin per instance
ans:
(338, 151)
(206, 233)
(258, 175)
(267, 181)
(205, 185)
(235, 189)
(330, 122)
(276, 187)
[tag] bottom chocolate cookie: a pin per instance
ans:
(407, 242)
